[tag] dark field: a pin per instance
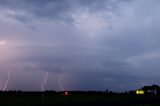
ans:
(76, 99)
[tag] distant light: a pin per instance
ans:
(140, 92)
(65, 93)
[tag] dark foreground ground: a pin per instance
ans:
(76, 99)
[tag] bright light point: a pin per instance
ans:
(139, 92)
(2, 43)
(65, 93)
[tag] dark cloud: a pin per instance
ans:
(27, 10)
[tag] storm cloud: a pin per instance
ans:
(95, 44)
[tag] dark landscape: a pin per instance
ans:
(79, 98)
(76, 99)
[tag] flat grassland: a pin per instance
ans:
(76, 99)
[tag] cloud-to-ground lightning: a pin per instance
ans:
(6, 83)
(60, 83)
(44, 82)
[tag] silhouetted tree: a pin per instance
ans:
(153, 87)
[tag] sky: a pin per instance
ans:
(79, 44)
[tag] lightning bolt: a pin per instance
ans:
(60, 83)
(44, 81)
(6, 83)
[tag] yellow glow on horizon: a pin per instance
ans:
(140, 92)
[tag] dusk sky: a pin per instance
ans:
(79, 44)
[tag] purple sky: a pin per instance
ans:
(79, 44)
